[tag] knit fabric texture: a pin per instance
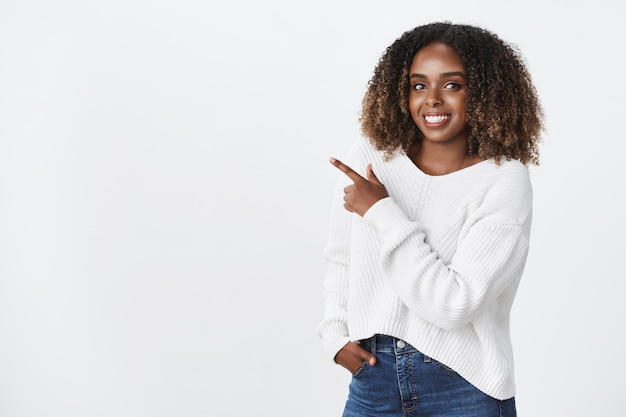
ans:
(436, 264)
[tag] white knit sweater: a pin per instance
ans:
(436, 264)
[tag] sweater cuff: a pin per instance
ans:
(385, 214)
(333, 338)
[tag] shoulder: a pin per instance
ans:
(363, 146)
(507, 191)
(362, 153)
(512, 175)
(493, 176)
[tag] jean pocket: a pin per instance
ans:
(361, 369)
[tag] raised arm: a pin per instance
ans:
(490, 254)
(489, 258)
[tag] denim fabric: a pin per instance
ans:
(406, 383)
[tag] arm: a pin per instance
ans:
(488, 259)
(334, 327)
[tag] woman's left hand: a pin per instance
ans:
(364, 192)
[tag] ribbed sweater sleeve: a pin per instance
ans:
(334, 326)
(447, 295)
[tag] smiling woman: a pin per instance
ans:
(504, 117)
(421, 283)
(437, 105)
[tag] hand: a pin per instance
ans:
(363, 193)
(352, 356)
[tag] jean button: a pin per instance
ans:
(400, 344)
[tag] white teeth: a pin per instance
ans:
(435, 119)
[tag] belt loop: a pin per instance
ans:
(427, 359)
(373, 348)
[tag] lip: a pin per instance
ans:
(433, 120)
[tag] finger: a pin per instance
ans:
(369, 358)
(371, 176)
(366, 356)
(352, 174)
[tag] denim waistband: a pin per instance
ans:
(384, 343)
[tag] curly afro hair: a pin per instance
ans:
(503, 111)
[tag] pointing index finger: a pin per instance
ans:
(352, 174)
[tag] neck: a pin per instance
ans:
(441, 158)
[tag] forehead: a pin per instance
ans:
(437, 57)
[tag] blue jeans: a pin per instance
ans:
(406, 383)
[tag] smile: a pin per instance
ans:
(436, 119)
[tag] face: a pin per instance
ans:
(438, 94)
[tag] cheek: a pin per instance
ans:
(414, 105)
(414, 113)
(415, 120)
(463, 104)
(461, 110)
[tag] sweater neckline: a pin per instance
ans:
(463, 171)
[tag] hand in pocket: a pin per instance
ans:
(352, 356)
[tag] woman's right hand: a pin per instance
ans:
(352, 356)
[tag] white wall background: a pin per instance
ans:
(165, 190)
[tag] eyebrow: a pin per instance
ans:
(442, 75)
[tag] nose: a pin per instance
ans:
(434, 98)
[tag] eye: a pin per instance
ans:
(418, 86)
(453, 86)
